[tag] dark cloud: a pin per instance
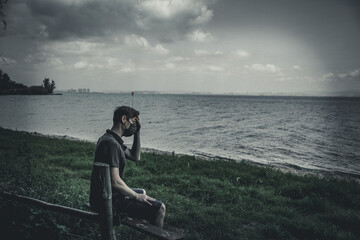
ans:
(121, 37)
(331, 28)
(59, 19)
(56, 19)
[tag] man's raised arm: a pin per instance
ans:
(134, 153)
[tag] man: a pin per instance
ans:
(111, 149)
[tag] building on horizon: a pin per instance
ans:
(80, 90)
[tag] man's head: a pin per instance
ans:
(124, 113)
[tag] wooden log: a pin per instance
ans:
(50, 206)
(102, 180)
(138, 224)
(145, 227)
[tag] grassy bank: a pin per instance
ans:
(209, 199)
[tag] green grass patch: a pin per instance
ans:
(209, 199)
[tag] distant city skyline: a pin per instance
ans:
(183, 46)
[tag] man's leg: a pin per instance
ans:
(160, 215)
(154, 213)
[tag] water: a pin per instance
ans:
(314, 133)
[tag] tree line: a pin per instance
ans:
(8, 86)
(3, 4)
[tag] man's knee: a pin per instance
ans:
(162, 209)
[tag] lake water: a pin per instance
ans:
(311, 133)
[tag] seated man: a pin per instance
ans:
(111, 149)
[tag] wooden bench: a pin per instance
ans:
(143, 226)
(101, 181)
(105, 218)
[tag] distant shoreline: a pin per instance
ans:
(29, 94)
(275, 95)
(311, 95)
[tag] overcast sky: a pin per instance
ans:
(217, 46)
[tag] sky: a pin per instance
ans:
(205, 46)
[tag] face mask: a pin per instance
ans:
(130, 131)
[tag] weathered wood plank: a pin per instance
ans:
(101, 173)
(138, 224)
(50, 206)
(145, 227)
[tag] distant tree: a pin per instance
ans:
(7, 85)
(5, 81)
(46, 83)
(2, 81)
(3, 3)
(52, 86)
(49, 86)
(37, 90)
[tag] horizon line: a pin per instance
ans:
(283, 94)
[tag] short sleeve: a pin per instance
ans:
(113, 155)
(108, 152)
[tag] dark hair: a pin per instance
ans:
(129, 112)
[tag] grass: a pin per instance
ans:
(209, 199)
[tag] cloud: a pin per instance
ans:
(204, 17)
(43, 31)
(203, 68)
(200, 53)
(160, 50)
(270, 68)
(111, 63)
(355, 73)
(175, 62)
(139, 42)
(297, 67)
(136, 41)
(177, 59)
(57, 19)
(213, 68)
(73, 47)
(81, 65)
(7, 61)
(170, 65)
(167, 9)
(193, 12)
(200, 36)
(43, 58)
(86, 65)
(68, 19)
(128, 67)
(187, 65)
(242, 53)
(238, 53)
(350, 75)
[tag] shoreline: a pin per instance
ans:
(208, 199)
(285, 169)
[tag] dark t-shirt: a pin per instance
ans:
(110, 149)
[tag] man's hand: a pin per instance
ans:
(145, 198)
(138, 125)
